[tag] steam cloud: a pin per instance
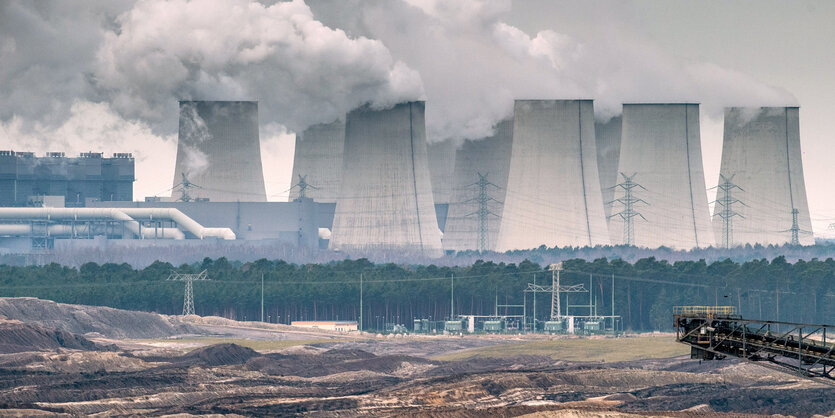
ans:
(125, 64)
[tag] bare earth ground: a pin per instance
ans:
(60, 359)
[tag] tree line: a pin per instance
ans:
(643, 292)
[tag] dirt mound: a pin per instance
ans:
(219, 355)
(329, 362)
(17, 337)
(80, 319)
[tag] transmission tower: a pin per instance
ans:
(483, 211)
(185, 186)
(188, 300)
(303, 185)
(628, 201)
(726, 201)
(795, 228)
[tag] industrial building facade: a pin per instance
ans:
(26, 178)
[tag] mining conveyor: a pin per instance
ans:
(717, 332)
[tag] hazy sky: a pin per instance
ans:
(106, 75)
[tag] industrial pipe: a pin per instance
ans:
(121, 214)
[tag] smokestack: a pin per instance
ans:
(553, 192)
(219, 150)
(385, 199)
(661, 147)
(488, 156)
(441, 167)
(761, 155)
(607, 136)
(318, 159)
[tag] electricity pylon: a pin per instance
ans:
(555, 290)
(628, 201)
(185, 186)
(726, 213)
(795, 229)
(188, 300)
(483, 212)
(303, 185)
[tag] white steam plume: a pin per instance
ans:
(299, 70)
(473, 64)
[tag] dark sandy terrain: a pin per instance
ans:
(44, 371)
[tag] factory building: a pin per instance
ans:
(489, 157)
(385, 199)
(553, 193)
(761, 162)
(317, 162)
(661, 153)
(219, 151)
(26, 179)
(607, 136)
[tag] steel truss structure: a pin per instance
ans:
(717, 332)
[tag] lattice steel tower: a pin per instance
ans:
(303, 185)
(726, 212)
(628, 201)
(188, 300)
(483, 212)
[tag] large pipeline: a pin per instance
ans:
(123, 215)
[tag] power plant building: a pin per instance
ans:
(661, 154)
(317, 164)
(489, 157)
(219, 151)
(607, 135)
(25, 179)
(385, 199)
(761, 157)
(553, 193)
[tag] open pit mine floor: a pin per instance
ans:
(72, 360)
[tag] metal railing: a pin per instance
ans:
(705, 310)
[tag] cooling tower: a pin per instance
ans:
(219, 150)
(441, 166)
(385, 199)
(607, 136)
(661, 151)
(318, 160)
(761, 156)
(553, 193)
(490, 157)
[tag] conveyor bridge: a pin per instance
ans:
(716, 332)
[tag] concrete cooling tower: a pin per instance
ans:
(318, 160)
(553, 192)
(761, 157)
(489, 157)
(385, 199)
(661, 152)
(607, 137)
(219, 150)
(441, 166)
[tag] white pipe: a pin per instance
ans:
(123, 215)
(182, 220)
(63, 230)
